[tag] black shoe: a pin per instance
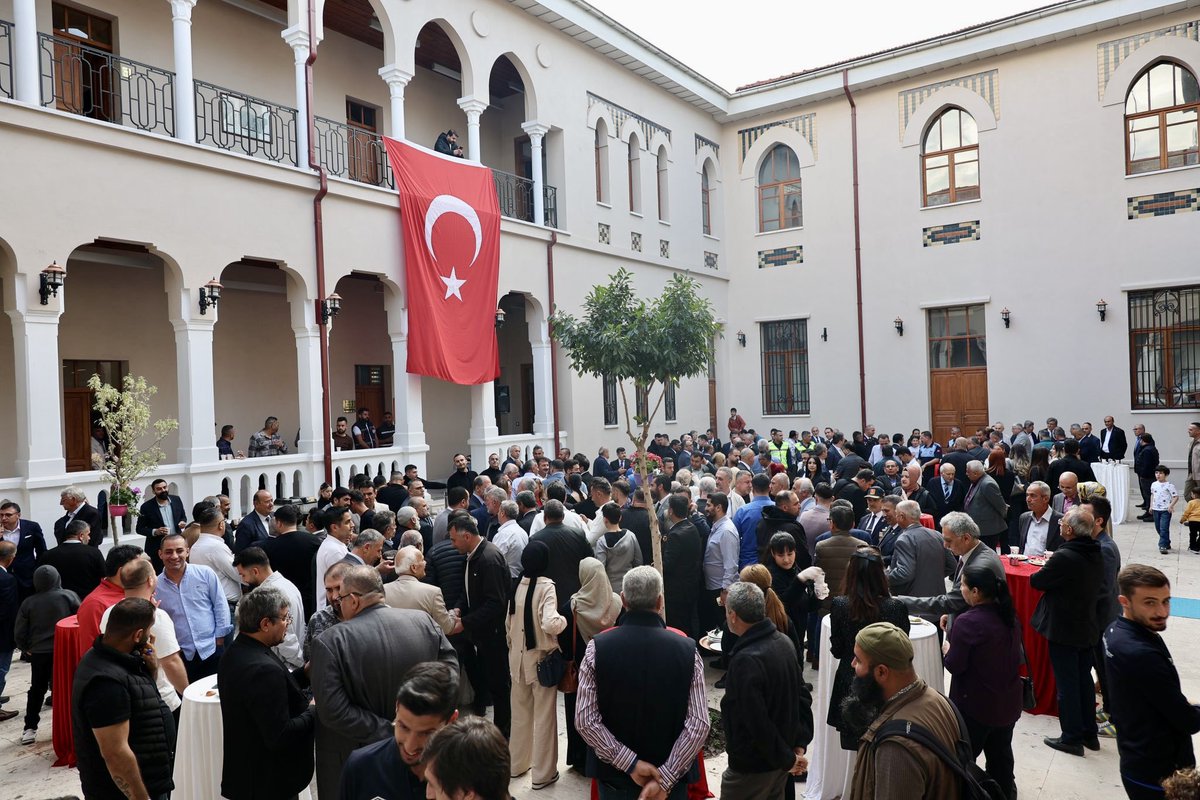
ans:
(717, 663)
(1058, 744)
(5, 716)
(1146, 518)
(49, 701)
(4, 699)
(1092, 743)
(720, 684)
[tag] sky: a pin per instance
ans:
(735, 43)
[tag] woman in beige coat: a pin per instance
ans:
(533, 627)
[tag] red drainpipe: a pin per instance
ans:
(318, 234)
(862, 358)
(550, 328)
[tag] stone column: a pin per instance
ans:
(543, 381)
(27, 83)
(197, 403)
(185, 89)
(308, 376)
(474, 110)
(484, 430)
(297, 39)
(38, 372)
(537, 132)
(396, 79)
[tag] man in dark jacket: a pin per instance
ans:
(855, 490)
(1071, 462)
(779, 518)
(1066, 616)
(81, 568)
(75, 503)
(1155, 720)
(766, 711)
(37, 619)
(124, 734)
(293, 554)
(10, 600)
(567, 548)
(31, 544)
(447, 144)
(159, 516)
(682, 566)
(266, 719)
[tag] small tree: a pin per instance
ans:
(125, 416)
(657, 342)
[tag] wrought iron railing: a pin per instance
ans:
(550, 206)
(516, 198)
(353, 153)
(6, 77)
(92, 83)
(241, 123)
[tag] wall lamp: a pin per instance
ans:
(741, 337)
(51, 280)
(1102, 307)
(824, 334)
(330, 307)
(1006, 315)
(210, 293)
(499, 317)
(899, 323)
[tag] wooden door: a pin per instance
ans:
(958, 388)
(77, 428)
(371, 398)
(84, 82)
(362, 150)
(527, 403)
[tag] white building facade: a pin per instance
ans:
(151, 147)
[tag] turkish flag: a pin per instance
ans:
(450, 221)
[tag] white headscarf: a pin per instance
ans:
(596, 605)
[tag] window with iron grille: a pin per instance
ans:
(610, 399)
(641, 404)
(1164, 347)
(785, 367)
(669, 402)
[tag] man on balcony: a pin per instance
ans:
(447, 144)
(365, 435)
(267, 442)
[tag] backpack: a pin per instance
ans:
(976, 784)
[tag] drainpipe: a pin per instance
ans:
(862, 358)
(318, 234)
(550, 328)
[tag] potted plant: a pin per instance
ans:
(124, 501)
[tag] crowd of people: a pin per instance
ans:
(363, 641)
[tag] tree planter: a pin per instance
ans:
(118, 510)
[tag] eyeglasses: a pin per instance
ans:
(341, 597)
(286, 619)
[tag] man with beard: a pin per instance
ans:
(886, 688)
(1156, 722)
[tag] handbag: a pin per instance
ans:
(569, 682)
(551, 668)
(1028, 693)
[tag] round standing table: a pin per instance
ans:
(1114, 476)
(67, 652)
(829, 766)
(1037, 649)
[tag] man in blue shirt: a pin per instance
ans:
(191, 594)
(747, 517)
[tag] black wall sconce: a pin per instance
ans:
(210, 293)
(1006, 315)
(330, 307)
(824, 334)
(741, 337)
(1102, 307)
(50, 281)
(499, 317)
(899, 323)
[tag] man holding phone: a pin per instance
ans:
(159, 516)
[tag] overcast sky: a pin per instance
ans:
(753, 40)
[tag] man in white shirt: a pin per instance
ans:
(211, 551)
(725, 481)
(558, 491)
(340, 529)
(510, 537)
(1037, 528)
(255, 568)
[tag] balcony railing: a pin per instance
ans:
(516, 198)
(6, 87)
(92, 83)
(241, 123)
(353, 153)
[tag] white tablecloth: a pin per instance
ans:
(1114, 476)
(199, 747)
(829, 766)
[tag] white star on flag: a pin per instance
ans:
(453, 284)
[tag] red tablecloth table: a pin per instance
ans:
(67, 652)
(1037, 649)
(927, 522)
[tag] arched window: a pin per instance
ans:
(705, 201)
(779, 190)
(950, 157)
(601, 148)
(635, 175)
(1160, 120)
(662, 185)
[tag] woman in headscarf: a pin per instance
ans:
(533, 625)
(594, 608)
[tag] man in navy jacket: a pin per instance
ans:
(1155, 722)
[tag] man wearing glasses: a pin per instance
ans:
(27, 537)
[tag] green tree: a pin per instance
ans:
(652, 343)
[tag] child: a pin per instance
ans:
(1163, 497)
(1191, 518)
(34, 634)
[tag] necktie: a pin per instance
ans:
(970, 494)
(946, 488)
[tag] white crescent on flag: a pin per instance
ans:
(449, 204)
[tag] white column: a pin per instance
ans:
(39, 393)
(543, 378)
(396, 79)
(197, 403)
(484, 430)
(474, 110)
(537, 131)
(297, 39)
(185, 90)
(308, 377)
(409, 413)
(26, 63)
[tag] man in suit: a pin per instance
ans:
(357, 666)
(960, 535)
(1048, 431)
(1037, 528)
(920, 562)
(1112, 441)
(855, 490)
(947, 493)
(293, 554)
(874, 521)
(683, 554)
(81, 568)
(407, 591)
(27, 536)
(1071, 462)
(263, 711)
(75, 503)
(1089, 445)
(256, 527)
(162, 514)
(985, 504)
(567, 548)
(9, 601)
(1068, 493)
(958, 457)
(483, 611)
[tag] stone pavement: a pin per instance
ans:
(1042, 773)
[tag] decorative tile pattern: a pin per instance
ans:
(1164, 204)
(605, 233)
(710, 260)
(984, 84)
(702, 142)
(953, 233)
(805, 125)
(1109, 55)
(617, 115)
(635, 242)
(664, 248)
(781, 257)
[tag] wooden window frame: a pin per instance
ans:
(966, 338)
(670, 412)
(705, 203)
(633, 169)
(794, 364)
(660, 174)
(1156, 303)
(951, 162)
(781, 185)
(1160, 115)
(598, 146)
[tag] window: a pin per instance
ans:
(956, 338)
(77, 372)
(1164, 345)
(1160, 120)
(669, 402)
(705, 202)
(662, 184)
(641, 404)
(785, 367)
(779, 190)
(635, 175)
(610, 399)
(364, 147)
(950, 159)
(601, 162)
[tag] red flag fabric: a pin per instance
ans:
(450, 221)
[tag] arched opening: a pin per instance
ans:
(634, 170)
(431, 97)
(664, 197)
(506, 147)
(514, 388)
(1161, 112)
(950, 159)
(779, 204)
(360, 354)
(601, 152)
(708, 190)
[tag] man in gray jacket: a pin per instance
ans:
(960, 535)
(357, 667)
(920, 564)
(986, 505)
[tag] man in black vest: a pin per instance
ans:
(124, 734)
(643, 726)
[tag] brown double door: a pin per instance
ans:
(958, 384)
(84, 81)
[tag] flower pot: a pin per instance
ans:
(117, 510)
